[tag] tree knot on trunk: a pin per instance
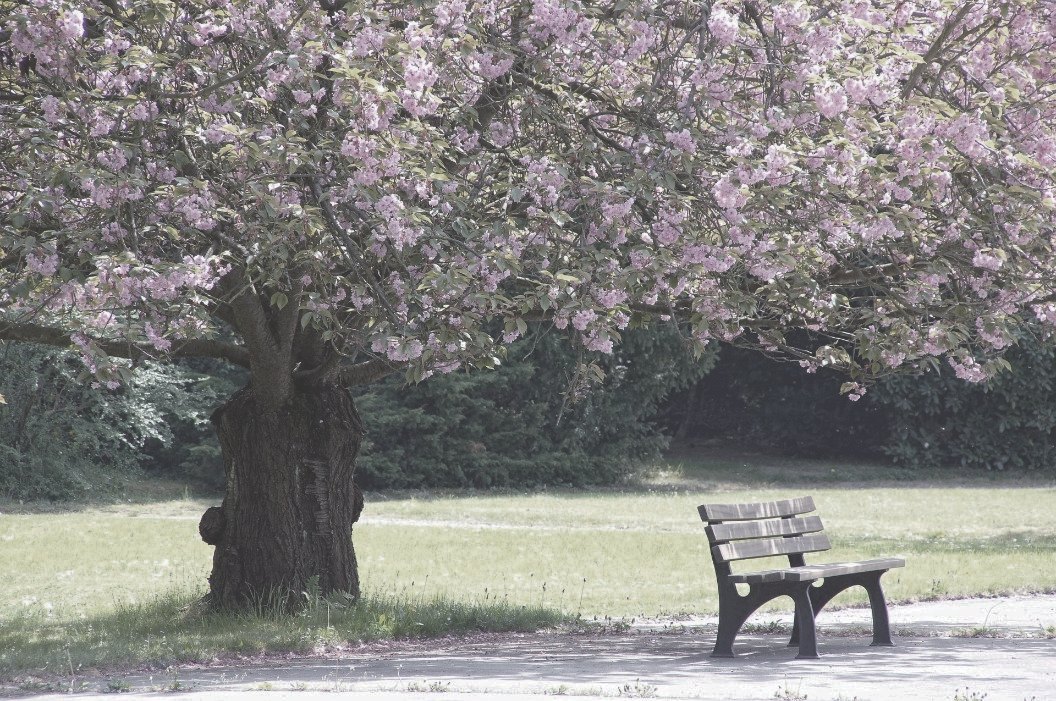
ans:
(211, 527)
(357, 502)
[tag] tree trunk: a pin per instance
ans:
(286, 519)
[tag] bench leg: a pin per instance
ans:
(819, 596)
(870, 581)
(805, 631)
(729, 624)
(734, 610)
(881, 627)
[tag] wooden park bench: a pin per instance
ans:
(746, 531)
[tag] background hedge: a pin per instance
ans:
(534, 421)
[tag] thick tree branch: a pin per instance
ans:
(249, 316)
(934, 50)
(194, 347)
(270, 357)
(366, 372)
(288, 318)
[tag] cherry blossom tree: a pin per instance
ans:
(328, 192)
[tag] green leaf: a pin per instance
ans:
(279, 300)
(559, 218)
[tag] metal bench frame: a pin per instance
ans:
(745, 531)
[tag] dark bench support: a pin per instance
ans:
(745, 531)
(734, 610)
(870, 581)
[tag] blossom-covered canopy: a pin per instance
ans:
(392, 177)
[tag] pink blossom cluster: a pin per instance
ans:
(723, 25)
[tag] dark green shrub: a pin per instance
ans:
(927, 420)
(52, 442)
(191, 451)
(517, 425)
(60, 438)
(749, 399)
(1008, 423)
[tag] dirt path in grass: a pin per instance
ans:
(193, 512)
(968, 650)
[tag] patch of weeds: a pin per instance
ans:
(175, 684)
(937, 591)
(117, 686)
(601, 625)
(568, 690)
(787, 693)
(339, 688)
(769, 628)
(33, 684)
(638, 690)
(968, 695)
(850, 631)
(1048, 632)
(430, 687)
(299, 686)
(674, 628)
(977, 632)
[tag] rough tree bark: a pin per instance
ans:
(290, 502)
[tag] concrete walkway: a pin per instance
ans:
(958, 650)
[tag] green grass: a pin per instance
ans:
(108, 584)
(645, 554)
(160, 631)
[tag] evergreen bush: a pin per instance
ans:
(750, 399)
(530, 422)
(1007, 423)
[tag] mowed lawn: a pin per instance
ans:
(616, 554)
(646, 554)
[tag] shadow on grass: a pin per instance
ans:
(167, 630)
(720, 468)
(132, 492)
(743, 467)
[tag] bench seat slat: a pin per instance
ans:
(820, 571)
(764, 509)
(743, 530)
(756, 577)
(812, 572)
(747, 549)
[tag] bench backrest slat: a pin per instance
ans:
(748, 512)
(747, 549)
(770, 528)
